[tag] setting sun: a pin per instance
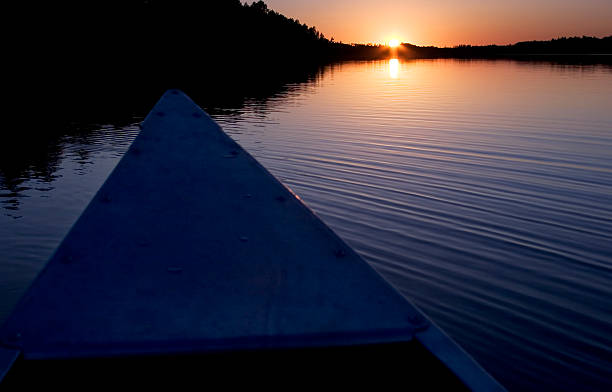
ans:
(394, 43)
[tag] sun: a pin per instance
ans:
(394, 43)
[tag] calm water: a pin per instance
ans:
(481, 190)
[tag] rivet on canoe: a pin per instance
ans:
(280, 198)
(244, 239)
(340, 253)
(106, 199)
(232, 154)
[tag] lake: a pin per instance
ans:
(482, 190)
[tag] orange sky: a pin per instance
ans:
(450, 22)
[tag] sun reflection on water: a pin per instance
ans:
(394, 68)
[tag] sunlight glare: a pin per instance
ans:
(394, 43)
(394, 68)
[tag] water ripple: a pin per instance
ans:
(492, 212)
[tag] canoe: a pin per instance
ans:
(193, 263)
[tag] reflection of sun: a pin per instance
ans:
(394, 43)
(393, 68)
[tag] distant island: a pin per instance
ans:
(558, 48)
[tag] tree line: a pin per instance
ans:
(558, 47)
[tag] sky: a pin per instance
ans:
(450, 22)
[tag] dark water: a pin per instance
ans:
(481, 190)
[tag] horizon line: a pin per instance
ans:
(466, 44)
